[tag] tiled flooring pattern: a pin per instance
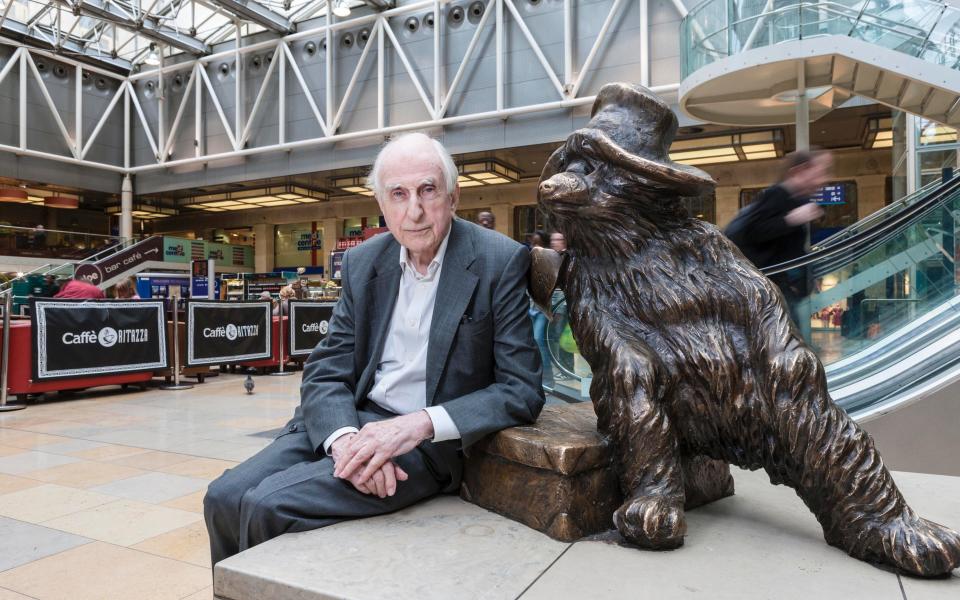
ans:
(101, 493)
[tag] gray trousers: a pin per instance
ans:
(288, 487)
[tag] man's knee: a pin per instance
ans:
(260, 517)
(223, 496)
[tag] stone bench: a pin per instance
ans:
(554, 476)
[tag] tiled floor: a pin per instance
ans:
(101, 493)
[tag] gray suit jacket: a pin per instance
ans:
(483, 365)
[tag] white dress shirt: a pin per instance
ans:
(400, 382)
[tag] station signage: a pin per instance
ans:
(309, 325)
(831, 194)
(91, 338)
(228, 332)
(121, 262)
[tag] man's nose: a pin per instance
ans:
(415, 209)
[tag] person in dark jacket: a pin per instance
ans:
(776, 227)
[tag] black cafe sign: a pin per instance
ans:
(309, 324)
(89, 338)
(228, 332)
(121, 262)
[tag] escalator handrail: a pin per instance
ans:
(877, 216)
(873, 235)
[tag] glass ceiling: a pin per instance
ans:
(107, 30)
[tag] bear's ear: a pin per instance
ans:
(547, 270)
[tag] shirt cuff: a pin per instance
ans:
(336, 435)
(443, 426)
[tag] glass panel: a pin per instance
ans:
(870, 294)
(718, 28)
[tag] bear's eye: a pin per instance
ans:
(579, 166)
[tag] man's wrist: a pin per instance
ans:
(424, 426)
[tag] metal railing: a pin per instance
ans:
(716, 29)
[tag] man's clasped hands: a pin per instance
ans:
(365, 458)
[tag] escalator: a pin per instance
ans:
(895, 276)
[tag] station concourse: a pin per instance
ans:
(180, 181)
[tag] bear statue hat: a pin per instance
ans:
(631, 128)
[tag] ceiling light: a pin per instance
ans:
(353, 184)
(878, 133)
(717, 149)
(278, 203)
(486, 172)
(341, 8)
(255, 198)
(152, 59)
(59, 201)
(8, 194)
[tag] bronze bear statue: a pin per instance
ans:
(695, 358)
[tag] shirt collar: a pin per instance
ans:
(434, 264)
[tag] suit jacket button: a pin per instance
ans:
(293, 428)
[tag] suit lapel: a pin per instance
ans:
(454, 292)
(382, 292)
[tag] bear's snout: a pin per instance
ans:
(564, 187)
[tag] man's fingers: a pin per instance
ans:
(401, 474)
(373, 465)
(379, 483)
(362, 455)
(390, 478)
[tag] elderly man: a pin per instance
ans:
(429, 349)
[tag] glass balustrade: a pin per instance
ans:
(717, 29)
(52, 243)
(864, 291)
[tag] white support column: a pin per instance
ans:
(437, 93)
(568, 46)
(23, 98)
(499, 51)
(161, 110)
(240, 88)
(328, 88)
(378, 31)
(198, 114)
(645, 43)
(78, 111)
(803, 109)
(126, 208)
(913, 166)
(281, 57)
(126, 125)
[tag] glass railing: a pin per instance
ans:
(716, 29)
(876, 218)
(888, 277)
(53, 243)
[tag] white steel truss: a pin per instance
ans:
(329, 111)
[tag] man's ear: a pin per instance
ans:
(455, 198)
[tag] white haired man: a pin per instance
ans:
(429, 349)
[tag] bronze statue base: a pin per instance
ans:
(557, 476)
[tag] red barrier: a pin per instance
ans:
(18, 378)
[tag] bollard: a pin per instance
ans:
(282, 372)
(176, 385)
(5, 353)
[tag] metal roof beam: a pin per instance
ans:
(147, 26)
(259, 14)
(73, 49)
(381, 4)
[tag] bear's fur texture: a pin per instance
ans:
(694, 353)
